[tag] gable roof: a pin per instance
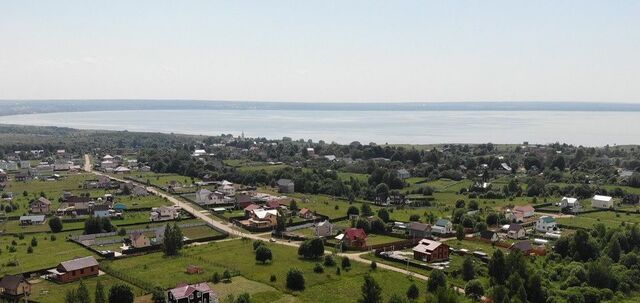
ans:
(355, 233)
(37, 218)
(523, 246)
(524, 208)
(487, 234)
(304, 211)
(426, 245)
(514, 227)
(547, 219)
(418, 226)
(284, 182)
(443, 222)
(12, 281)
(262, 213)
(44, 200)
(602, 198)
(251, 207)
(273, 204)
(79, 263)
(184, 290)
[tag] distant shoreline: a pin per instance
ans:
(19, 107)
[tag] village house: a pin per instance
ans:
(571, 205)
(263, 218)
(526, 210)
(227, 190)
(139, 240)
(355, 238)
(3, 176)
(14, 287)
(207, 197)
(418, 230)
(431, 251)
(76, 269)
(305, 213)
(524, 247)
(516, 231)
(546, 224)
(248, 210)
(489, 236)
(40, 206)
(599, 201)
(324, 229)
(311, 152)
(442, 227)
(139, 191)
(32, 220)
(514, 216)
(164, 213)
(403, 174)
(243, 200)
(285, 186)
(101, 211)
(196, 293)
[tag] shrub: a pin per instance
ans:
(329, 261)
(374, 265)
(55, 224)
(346, 263)
(263, 254)
(295, 279)
(272, 278)
(30, 250)
(215, 278)
(318, 268)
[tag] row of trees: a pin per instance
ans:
(118, 293)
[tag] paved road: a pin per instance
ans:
(232, 231)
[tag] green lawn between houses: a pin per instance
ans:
(45, 255)
(50, 292)
(608, 218)
(238, 256)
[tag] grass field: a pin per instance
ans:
(608, 218)
(238, 255)
(45, 291)
(45, 255)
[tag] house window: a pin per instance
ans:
(199, 294)
(191, 297)
(82, 271)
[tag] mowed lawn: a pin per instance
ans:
(608, 218)
(238, 256)
(49, 292)
(45, 255)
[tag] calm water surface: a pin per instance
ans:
(418, 127)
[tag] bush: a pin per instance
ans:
(329, 261)
(121, 293)
(226, 276)
(263, 254)
(318, 268)
(374, 265)
(55, 224)
(257, 243)
(30, 250)
(34, 242)
(346, 263)
(215, 278)
(272, 278)
(295, 279)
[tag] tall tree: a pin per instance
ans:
(371, 291)
(497, 268)
(100, 295)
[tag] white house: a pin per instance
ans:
(202, 196)
(324, 229)
(526, 210)
(227, 190)
(403, 174)
(207, 197)
(546, 224)
(163, 213)
(599, 201)
(571, 204)
(442, 227)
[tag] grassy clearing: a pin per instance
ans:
(46, 291)
(608, 218)
(237, 255)
(45, 255)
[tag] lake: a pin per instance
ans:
(587, 128)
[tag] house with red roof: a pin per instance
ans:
(526, 210)
(195, 293)
(355, 237)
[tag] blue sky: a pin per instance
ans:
(322, 51)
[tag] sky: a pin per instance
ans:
(321, 51)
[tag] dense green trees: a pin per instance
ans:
(55, 224)
(311, 249)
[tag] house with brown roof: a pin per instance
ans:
(524, 247)
(243, 200)
(431, 251)
(76, 269)
(195, 293)
(355, 237)
(418, 230)
(305, 213)
(263, 218)
(139, 240)
(516, 231)
(15, 286)
(40, 206)
(526, 210)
